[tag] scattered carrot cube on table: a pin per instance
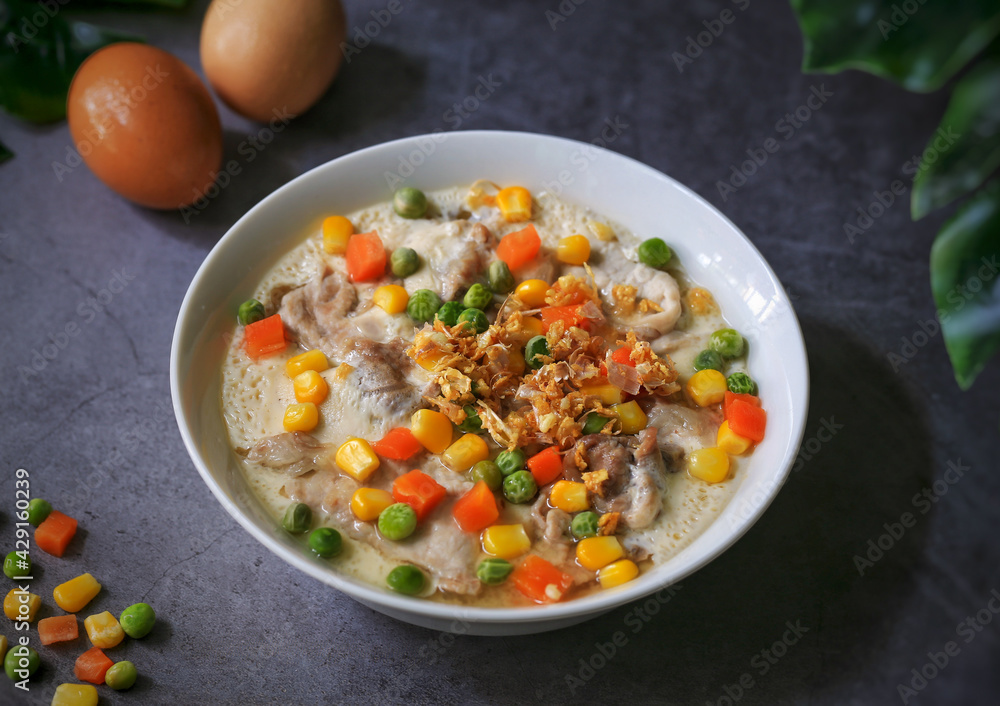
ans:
(92, 665)
(59, 628)
(54, 534)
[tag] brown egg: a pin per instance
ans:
(271, 60)
(145, 124)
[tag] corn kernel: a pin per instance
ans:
(76, 593)
(103, 630)
(597, 552)
(391, 298)
(514, 203)
(602, 231)
(310, 387)
(342, 371)
(358, 459)
(631, 416)
(21, 605)
(573, 250)
(505, 541)
(707, 387)
(301, 417)
(337, 230)
(432, 429)
(465, 453)
(608, 393)
(710, 465)
(569, 496)
(75, 695)
(532, 293)
(531, 326)
(622, 571)
(515, 361)
(368, 503)
(731, 442)
(310, 360)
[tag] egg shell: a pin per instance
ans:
(269, 60)
(146, 125)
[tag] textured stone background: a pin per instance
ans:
(240, 626)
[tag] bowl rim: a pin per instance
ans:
(367, 594)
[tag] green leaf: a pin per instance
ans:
(966, 148)
(965, 263)
(38, 58)
(920, 49)
(5, 153)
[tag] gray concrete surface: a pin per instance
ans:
(239, 626)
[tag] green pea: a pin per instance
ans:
(741, 383)
(510, 461)
(407, 579)
(38, 510)
(16, 565)
(121, 675)
(478, 297)
(494, 571)
(536, 346)
(422, 306)
(397, 522)
(501, 280)
(326, 542)
(727, 342)
(708, 360)
(489, 473)
(137, 620)
(21, 658)
(472, 424)
(476, 318)
(655, 253)
(584, 524)
(519, 487)
(297, 518)
(409, 202)
(449, 312)
(250, 311)
(594, 423)
(404, 262)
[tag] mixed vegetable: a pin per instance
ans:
(536, 321)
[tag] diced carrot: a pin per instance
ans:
(540, 581)
(730, 396)
(419, 491)
(58, 628)
(747, 420)
(519, 248)
(265, 337)
(92, 665)
(398, 444)
(55, 533)
(546, 465)
(624, 356)
(569, 315)
(477, 509)
(365, 257)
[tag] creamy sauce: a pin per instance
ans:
(255, 393)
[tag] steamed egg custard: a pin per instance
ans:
(480, 396)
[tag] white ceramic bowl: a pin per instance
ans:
(714, 252)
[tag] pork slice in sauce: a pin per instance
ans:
(293, 453)
(438, 546)
(457, 256)
(551, 527)
(635, 470)
(315, 312)
(655, 285)
(381, 375)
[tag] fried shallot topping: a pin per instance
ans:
(607, 524)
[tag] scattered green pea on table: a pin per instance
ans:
(21, 658)
(121, 675)
(16, 565)
(38, 511)
(137, 620)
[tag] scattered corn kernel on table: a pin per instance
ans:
(873, 575)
